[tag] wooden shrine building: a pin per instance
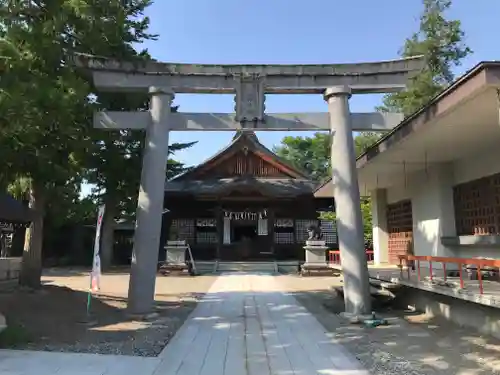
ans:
(244, 203)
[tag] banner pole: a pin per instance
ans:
(95, 273)
(89, 299)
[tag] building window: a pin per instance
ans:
(400, 229)
(283, 237)
(301, 227)
(329, 231)
(206, 231)
(477, 206)
(182, 229)
(284, 233)
(203, 237)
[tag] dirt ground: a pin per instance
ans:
(55, 319)
(411, 344)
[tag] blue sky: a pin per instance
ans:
(293, 31)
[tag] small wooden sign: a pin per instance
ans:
(246, 215)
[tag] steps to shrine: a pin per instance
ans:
(267, 267)
(211, 267)
(289, 267)
(207, 267)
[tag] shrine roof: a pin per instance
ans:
(13, 211)
(275, 186)
(243, 140)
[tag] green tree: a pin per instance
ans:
(441, 42)
(366, 213)
(46, 109)
(115, 169)
(43, 108)
(313, 155)
(113, 163)
(365, 140)
(118, 188)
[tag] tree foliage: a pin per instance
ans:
(312, 154)
(46, 105)
(363, 141)
(441, 42)
(44, 109)
(366, 213)
(118, 182)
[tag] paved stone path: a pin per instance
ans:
(245, 325)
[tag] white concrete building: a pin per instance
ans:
(435, 179)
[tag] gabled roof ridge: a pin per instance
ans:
(281, 160)
(211, 158)
(252, 138)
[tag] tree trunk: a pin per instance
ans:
(31, 269)
(108, 232)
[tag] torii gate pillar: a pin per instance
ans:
(347, 203)
(150, 204)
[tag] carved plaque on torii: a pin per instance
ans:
(249, 99)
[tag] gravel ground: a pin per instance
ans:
(411, 344)
(54, 318)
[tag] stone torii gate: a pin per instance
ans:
(249, 84)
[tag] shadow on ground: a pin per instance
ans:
(411, 343)
(55, 318)
(83, 271)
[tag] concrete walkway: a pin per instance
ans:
(245, 325)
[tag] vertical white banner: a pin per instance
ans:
(227, 231)
(95, 275)
(262, 227)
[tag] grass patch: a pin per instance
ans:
(13, 337)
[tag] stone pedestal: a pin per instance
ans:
(175, 263)
(315, 264)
